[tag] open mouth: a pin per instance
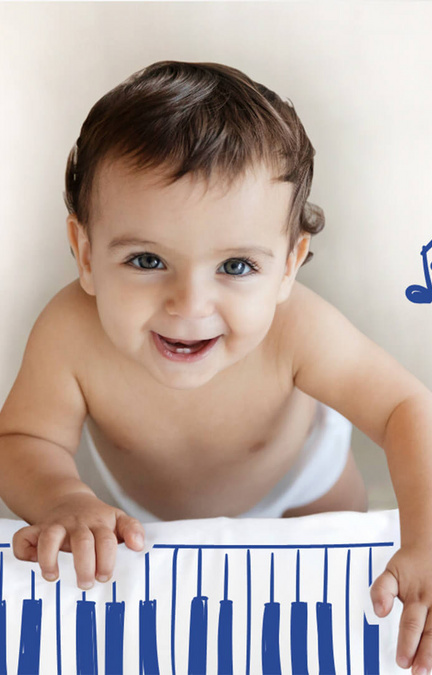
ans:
(188, 347)
(188, 350)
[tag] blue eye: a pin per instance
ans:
(146, 257)
(234, 267)
(238, 265)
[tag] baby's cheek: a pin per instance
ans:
(254, 318)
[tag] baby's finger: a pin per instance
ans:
(83, 550)
(410, 629)
(423, 658)
(50, 540)
(25, 542)
(130, 531)
(106, 550)
(383, 592)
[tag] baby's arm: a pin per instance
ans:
(337, 364)
(40, 429)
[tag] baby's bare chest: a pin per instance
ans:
(190, 453)
(240, 414)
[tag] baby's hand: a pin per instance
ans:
(86, 526)
(408, 576)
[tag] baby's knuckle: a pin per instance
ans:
(51, 531)
(108, 541)
(82, 537)
(410, 624)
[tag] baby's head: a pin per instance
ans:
(194, 118)
(134, 192)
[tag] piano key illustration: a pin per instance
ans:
(370, 638)
(3, 669)
(58, 628)
(271, 664)
(254, 604)
(225, 636)
(86, 640)
(31, 619)
(248, 611)
(198, 628)
(147, 630)
(347, 613)
(114, 635)
(325, 627)
(298, 629)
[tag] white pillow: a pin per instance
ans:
(177, 583)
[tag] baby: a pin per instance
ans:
(209, 381)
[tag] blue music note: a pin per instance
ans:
(422, 294)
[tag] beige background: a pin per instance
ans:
(359, 75)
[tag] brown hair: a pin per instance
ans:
(199, 118)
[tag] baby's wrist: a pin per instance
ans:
(60, 492)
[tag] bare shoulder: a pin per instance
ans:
(68, 304)
(303, 309)
(70, 317)
(309, 323)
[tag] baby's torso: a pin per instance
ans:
(213, 451)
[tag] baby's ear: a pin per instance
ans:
(81, 251)
(302, 249)
(294, 261)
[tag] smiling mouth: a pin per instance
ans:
(184, 346)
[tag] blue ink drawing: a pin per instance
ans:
(268, 645)
(422, 294)
(347, 614)
(3, 669)
(198, 628)
(31, 618)
(86, 640)
(248, 611)
(270, 631)
(58, 629)
(114, 634)
(225, 637)
(325, 628)
(148, 656)
(299, 629)
(370, 638)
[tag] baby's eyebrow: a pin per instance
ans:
(124, 242)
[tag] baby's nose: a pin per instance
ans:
(191, 299)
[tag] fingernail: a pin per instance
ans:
(403, 662)
(102, 578)
(421, 671)
(139, 539)
(49, 576)
(379, 608)
(86, 585)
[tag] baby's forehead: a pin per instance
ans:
(119, 177)
(131, 204)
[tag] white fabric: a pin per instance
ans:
(316, 470)
(345, 528)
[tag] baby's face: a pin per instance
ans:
(186, 264)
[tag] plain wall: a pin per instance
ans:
(359, 76)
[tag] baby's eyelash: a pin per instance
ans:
(253, 264)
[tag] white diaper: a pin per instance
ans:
(316, 470)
